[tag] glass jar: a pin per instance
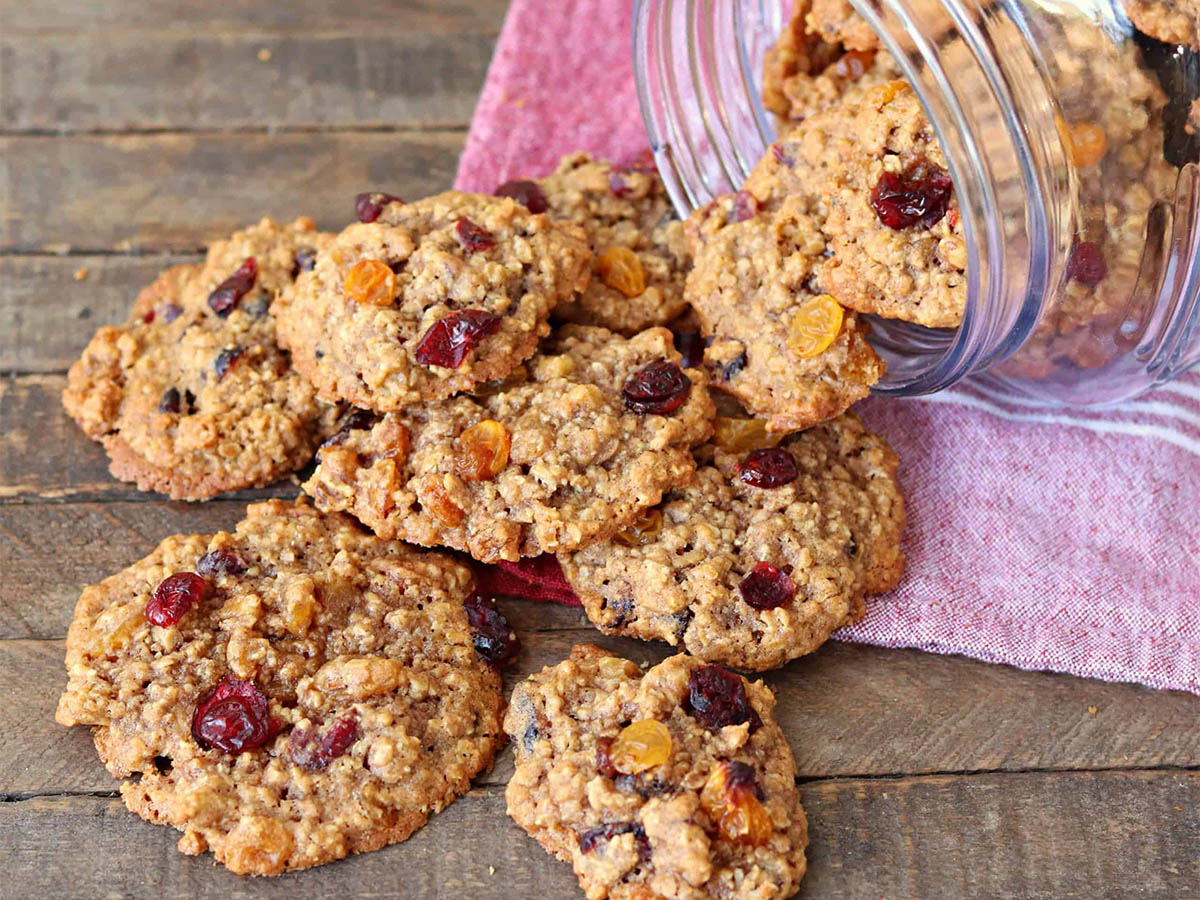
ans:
(1051, 115)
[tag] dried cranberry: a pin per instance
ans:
(734, 367)
(148, 317)
(618, 184)
(741, 776)
(745, 206)
(604, 762)
(174, 596)
(528, 193)
(357, 421)
(226, 360)
(716, 698)
(593, 837)
(770, 468)
(449, 340)
(303, 261)
(691, 346)
(171, 312)
(1086, 265)
(473, 237)
(230, 291)
(221, 562)
(495, 642)
(767, 587)
(233, 717)
(781, 156)
(919, 197)
(312, 750)
(656, 389)
(641, 161)
(369, 206)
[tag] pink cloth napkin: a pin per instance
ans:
(1045, 538)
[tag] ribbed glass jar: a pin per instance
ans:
(1005, 85)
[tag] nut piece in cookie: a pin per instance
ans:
(566, 450)
(674, 782)
(290, 693)
(640, 257)
(786, 350)
(760, 558)
(192, 396)
(430, 298)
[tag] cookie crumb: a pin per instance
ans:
(264, 55)
(1092, 710)
(81, 273)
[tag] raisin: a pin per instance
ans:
(1086, 264)
(734, 367)
(233, 717)
(473, 237)
(370, 282)
(449, 340)
(716, 698)
(690, 345)
(733, 799)
(441, 507)
(369, 206)
(656, 389)
(174, 596)
(303, 261)
(854, 64)
(495, 642)
(358, 420)
(815, 326)
(745, 207)
(171, 312)
(528, 193)
(221, 561)
(920, 197)
(481, 451)
(226, 360)
(620, 269)
(170, 402)
(229, 292)
(314, 751)
(641, 745)
(645, 529)
(1086, 143)
(740, 435)
(767, 587)
(769, 468)
(593, 837)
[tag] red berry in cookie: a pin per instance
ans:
(449, 340)
(767, 587)
(768, 468)
(716, 698)
(745, 207)
(594, 837)
(229, 292)
(495, 642)
(474, 238)
(310, 749)
(921, 197)
(173, 597)
(1086, 264)
(656, 389)
(528, 193)
(226, 360)
(233, 717)
(369, 206)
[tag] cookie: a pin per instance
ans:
(1170, 21)
(762, 556)
(594, 430)
(640, 256)
(428, 299)
(786, 351)
(673, 782)
(287, 694)
(192, 396)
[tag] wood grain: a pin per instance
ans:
(1028, 835)
(178, 192)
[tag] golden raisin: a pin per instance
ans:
(482, 451)
(854, 63)
(370, 281)
(441, 507)
(621, 270)
(641, 746)
(730, 798)
(741, 435)
(815, 326)
(645, 528)
(1087, 143)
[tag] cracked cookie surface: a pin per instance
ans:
(317, 693)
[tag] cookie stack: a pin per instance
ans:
(492, 378)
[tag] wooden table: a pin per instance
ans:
(134, 132)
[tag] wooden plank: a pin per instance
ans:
(178, 192)
(193, 80)
(1029, 835)
(48, 313)
(979, 719)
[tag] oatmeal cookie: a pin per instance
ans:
(781, 347)
(594, 430)
(760, 558)
(192, 396)
(429, 298)
(1170, 21)
(640, 256)
(287, 694)
(673, 782)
